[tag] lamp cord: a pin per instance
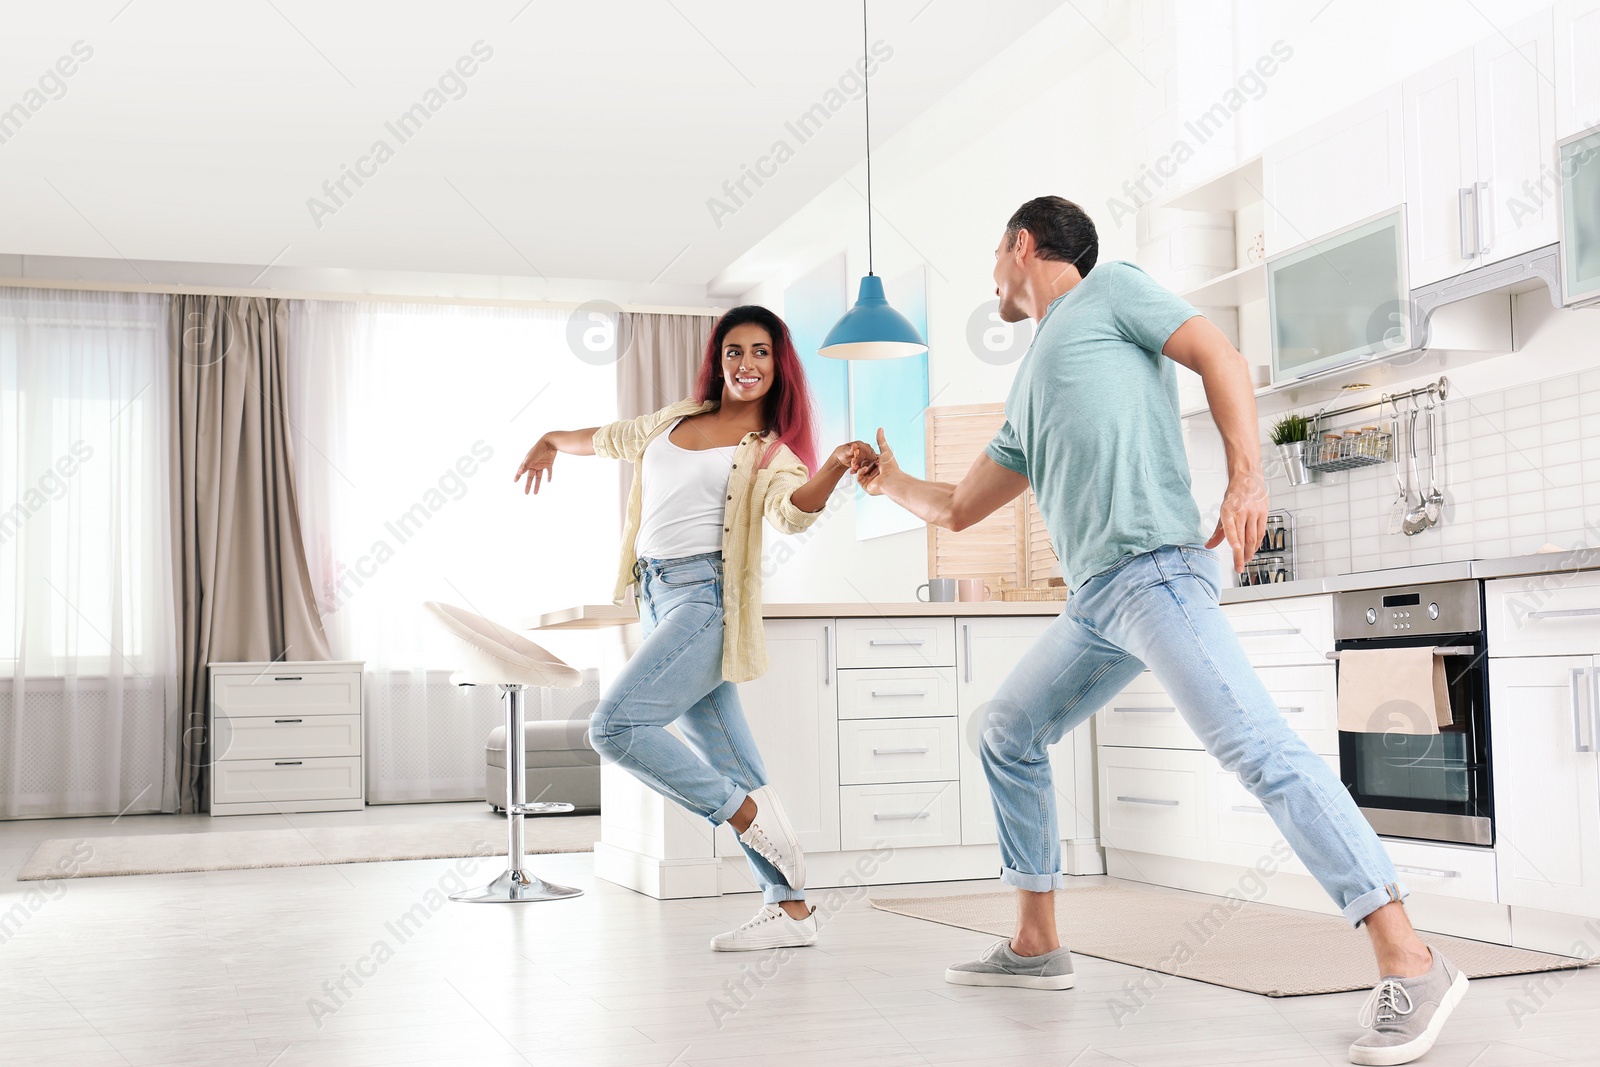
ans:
(866, 100)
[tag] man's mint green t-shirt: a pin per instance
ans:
(1092, 420)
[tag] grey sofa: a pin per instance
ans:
(561, 764)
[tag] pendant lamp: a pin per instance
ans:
(872, 329)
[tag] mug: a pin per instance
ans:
(970, 589)
(940, 591)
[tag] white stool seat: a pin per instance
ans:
(495, 655)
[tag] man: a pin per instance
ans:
(1092, 424)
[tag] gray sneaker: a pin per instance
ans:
(1001, 966)
(1404, 1015)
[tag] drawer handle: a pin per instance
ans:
(1250, 809)
(899, 692)
(1291, 631)
(287, 678)
(901, 751)
(288, 720)
(898, 641)
(905, 815)
(1147, 800)
(1563, 613)
(288, 763)
(1293, 711)
(1431, 872)
(1164, 711)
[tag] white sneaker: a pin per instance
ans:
(772, 838)
(771, 928)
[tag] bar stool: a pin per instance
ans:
(494, 655)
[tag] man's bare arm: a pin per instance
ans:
(986, 488)
(1203, 348)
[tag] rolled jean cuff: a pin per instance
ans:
(1370, 901)
(1033, 883)
(775, 894)
(724, 813)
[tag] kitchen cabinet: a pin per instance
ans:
(1547, 782)
(1580, 219)
(1334, 174)
(1479, 132)
(1555, 614)
(1577, 38)
(793, 713)
(987, 649)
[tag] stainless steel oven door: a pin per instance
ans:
(1432, 787)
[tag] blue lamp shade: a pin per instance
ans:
(872, 329)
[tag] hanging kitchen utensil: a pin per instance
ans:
(1435, 500)
(1397, 511)
(1416, 519)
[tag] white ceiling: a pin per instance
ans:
(586, 147)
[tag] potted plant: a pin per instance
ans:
(1290, 434)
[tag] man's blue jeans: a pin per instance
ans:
(1160, 610)
(676, 677)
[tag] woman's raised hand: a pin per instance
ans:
(538, 465)
(855, 457)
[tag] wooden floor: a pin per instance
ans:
(244, 968)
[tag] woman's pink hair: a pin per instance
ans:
(788, 401)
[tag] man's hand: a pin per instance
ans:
(1244, 517)
(870, 470)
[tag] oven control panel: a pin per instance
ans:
(1405, 611)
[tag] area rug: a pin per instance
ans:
(227, 850)
(1258, 948)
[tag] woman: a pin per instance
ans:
(707, 470)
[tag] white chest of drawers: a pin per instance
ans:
(286, 737)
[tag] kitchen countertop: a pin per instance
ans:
(1482, 569)
(602, 616)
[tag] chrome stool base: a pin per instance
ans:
(515, 884)
(514, 887)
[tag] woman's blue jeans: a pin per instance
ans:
(676, 677)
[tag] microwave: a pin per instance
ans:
(1340, 299)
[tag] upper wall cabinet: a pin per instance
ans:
(1577, 38)
(1479, 135)
(1342, 170)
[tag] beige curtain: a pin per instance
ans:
(660, 357)
(243, 587)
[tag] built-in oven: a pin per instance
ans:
(1428, 786)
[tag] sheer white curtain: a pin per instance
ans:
(409, 423)
(88, 673)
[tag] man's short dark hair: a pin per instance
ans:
(1061, 231)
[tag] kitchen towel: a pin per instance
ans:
(1393, 690)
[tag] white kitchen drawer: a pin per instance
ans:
(925, 642)
(1284, 632)
(889, 692)
(285, 737)
(873, 752)
(1153, 800)
(287, 692)
(1544, 615)
(294, 780)
(1144, 716)
(1445, 870)
(1309, 701)
(872, 816)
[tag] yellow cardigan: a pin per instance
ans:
(752, 494)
